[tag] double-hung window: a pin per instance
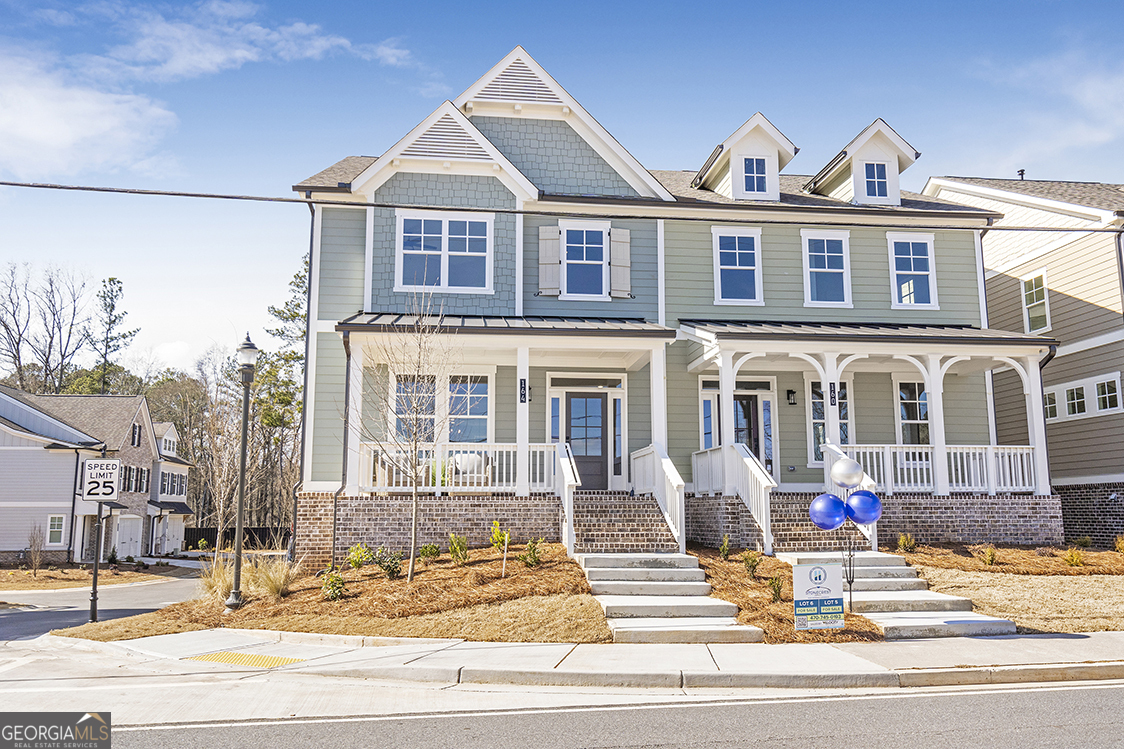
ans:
(737, 266)
(755, 174)
(54, 529)
(468, 408)
(415, 407)
(818, 403)
(913, 283)
(827, 268)
(1036, 304)
(913, 413)
(585, 259)
(448, 252)
(876, 182)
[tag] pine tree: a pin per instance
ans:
(108, 339)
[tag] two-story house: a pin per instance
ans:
(1065, 283)
(44, 440)
(651, 356)
(168, 498)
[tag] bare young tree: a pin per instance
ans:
(61, 300)
(35, 543)
(15, 319)
(407, 382)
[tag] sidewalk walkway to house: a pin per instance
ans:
(934, 662)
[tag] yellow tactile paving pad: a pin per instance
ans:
(254, 660)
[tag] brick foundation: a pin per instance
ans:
(616, 522)
(1088, 510)
(52, 557)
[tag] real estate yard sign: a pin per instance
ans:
(101, 481)
(817, 593)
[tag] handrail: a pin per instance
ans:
(568, 481)
(867, 483)
(654, 473)
(755, 484)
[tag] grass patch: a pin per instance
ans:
(754, 597)
(1015, 560)
(73, 576)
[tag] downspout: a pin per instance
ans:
(346, 434)
(1042, 393)
(304, 390)
(1120, 261)
(73, 506)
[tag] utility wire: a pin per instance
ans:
(547, 214)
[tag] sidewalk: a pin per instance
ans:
(912, 663)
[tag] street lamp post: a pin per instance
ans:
(247, 358)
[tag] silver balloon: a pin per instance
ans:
(847, 473)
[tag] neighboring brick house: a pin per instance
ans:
(43, 441)
(695, 338)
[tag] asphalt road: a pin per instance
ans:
(1000, 718)
(55, 609)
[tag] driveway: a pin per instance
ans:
(40, 611)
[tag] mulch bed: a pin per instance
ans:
(731, 582)
(59, 577)
(1015, 560)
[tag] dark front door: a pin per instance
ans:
(586, 432)
(745, 423)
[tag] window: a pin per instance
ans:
(54, 528)
(1075, 401)
(183, 485)
(1107, 397)
(737, 266)
(709, 422)
(445, 252)
(827, 270)
(1050, 401)
(618, 436)
(163, 482)
(911, 270)
(415, 404)
(585, 255)
(555, 418)
(876, 184)
(755, 175)
(817, 412)
(1036, 307)
(468, 408)
(135, 438)
(913, 413)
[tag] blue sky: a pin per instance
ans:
(252, 97)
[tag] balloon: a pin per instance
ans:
(847, 473)
(827, 512)
(864, 507)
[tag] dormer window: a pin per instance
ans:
(755, 175)
(876, 183)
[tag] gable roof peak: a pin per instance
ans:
(906, 154)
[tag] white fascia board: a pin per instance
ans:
(383, 168)
(589, 128)
(82, 436)
(36, 437)
(935, 184)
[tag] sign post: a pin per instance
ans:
(100, 483)
(817, 595)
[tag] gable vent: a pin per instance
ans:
(518, 83)
(446, 139)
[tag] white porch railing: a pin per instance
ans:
(832, 453)
(654, 473)
(708, 469)
(568, 480)
(973, 468)
(750, 479)
(456, 467)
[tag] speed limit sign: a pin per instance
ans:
(101, 480)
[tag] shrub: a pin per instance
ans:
(388, 561)
(724, 548)
(359, 555)
(203, 545)
(35, 549)
(130, 559)
(751, 559)
(333, 585)
(1120, 544)
(111, 557)
(986, 553)
(429, 552)
(271, 577)
(217, 579)
(1084, 542)
(776, 584)
(1074, 558)
(530, 557)
(499, 538)
(906, 543)
(458, 549)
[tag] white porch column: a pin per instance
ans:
(1036, 424)
(726, 378)
(658, 406)
(355, 422)
(936, 425)
(522, 421)
(830, 387)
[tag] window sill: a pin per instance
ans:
(830, 305)
(740, 302)
(894, 305)
(442, 290)
(585, 297)
(1046, 329)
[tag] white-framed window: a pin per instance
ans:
(737, 265)
(827, 268)
(1050, 403)
(1035, 302)
(1087, 398)
(447, 252)
(877, 184)
(753, 172)
(1075, 401)
(468, 408)
(135, 437)
(816, 413)
(456, 408)
(913, 413)
(55, 524)
(585, 259)
(913, 281)
(415, 407)
(1108, 395)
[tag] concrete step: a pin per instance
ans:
(904, 600)
(887, 583)
(862, 558)
(646, 574)
(651, 561)
(650, 588)
(618, 606)
(917, 624)
(705, 629)
(875, 573)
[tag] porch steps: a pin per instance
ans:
(661, 598)
(889, 593)
(618, 522)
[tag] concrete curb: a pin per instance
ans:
(339, 641)
(943, 677)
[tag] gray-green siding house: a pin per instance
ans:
(709, 341)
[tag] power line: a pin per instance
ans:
(546, 214)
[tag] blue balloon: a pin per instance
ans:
(864, 507)
(827, 512)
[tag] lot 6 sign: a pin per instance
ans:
(817, 593)
(101, 480)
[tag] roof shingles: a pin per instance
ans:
(1100, 195)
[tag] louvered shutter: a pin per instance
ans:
(620, 263)
(550, 261)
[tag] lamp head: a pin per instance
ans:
(247, 353)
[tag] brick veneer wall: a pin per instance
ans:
(1088, 510)
(49, 557)
(385, 521)
(608, 522)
